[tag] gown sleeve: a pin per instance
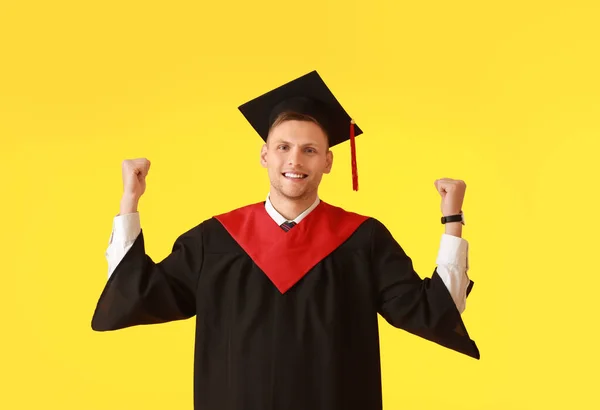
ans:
(423, 307)
(141, 291)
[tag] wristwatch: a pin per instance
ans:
(454, 218)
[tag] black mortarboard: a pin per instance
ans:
(308, 95)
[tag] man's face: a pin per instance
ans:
(296, 155)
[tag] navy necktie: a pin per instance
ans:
(286, 226)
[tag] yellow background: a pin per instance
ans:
(505, 95)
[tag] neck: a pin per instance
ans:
(290, 208)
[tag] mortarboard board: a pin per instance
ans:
(308, 95)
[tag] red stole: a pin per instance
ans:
(285, 257)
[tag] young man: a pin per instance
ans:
(287, 292)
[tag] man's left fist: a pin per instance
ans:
(452, 192)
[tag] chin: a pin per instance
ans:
(294, 193)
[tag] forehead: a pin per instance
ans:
(299, 132)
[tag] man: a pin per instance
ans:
(286, 292)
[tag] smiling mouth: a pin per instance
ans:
(293, 175)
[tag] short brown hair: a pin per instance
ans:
(291, 116)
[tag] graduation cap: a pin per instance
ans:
(308, 95)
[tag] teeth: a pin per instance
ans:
(290, 175)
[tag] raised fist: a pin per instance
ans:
(452, 192)
(134, 177)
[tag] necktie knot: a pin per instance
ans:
(286, 226)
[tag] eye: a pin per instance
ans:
(311, 150)
(282, 147)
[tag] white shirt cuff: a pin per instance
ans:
(453, 251)
(126, 228)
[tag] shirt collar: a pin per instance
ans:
(279, 219)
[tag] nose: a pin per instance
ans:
(295, 157)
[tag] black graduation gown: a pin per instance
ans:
(269, 339)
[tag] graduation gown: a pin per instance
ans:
(284, 320)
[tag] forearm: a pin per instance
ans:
(454, 229)
(129, 204)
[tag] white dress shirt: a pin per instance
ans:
(279, 219)
(452, 259)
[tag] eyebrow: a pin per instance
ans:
(310, 144)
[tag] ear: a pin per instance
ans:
(263, 156)
(328, 162)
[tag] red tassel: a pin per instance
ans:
(353, 151)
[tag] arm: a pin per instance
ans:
(423, 307)
(140, 291)
(126, 225)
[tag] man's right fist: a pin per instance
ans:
(134, 177)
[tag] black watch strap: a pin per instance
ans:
(452, 218)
